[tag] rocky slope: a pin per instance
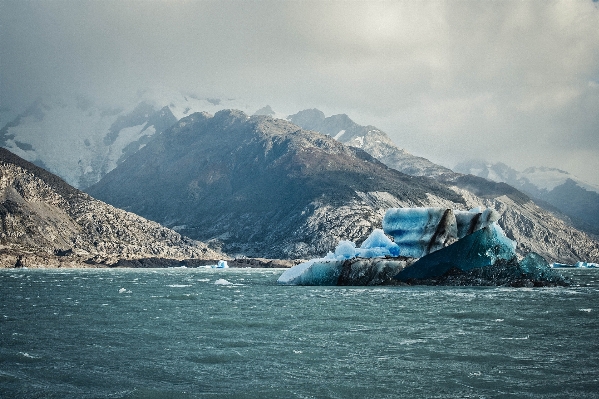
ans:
(46, 222)
(260, 186)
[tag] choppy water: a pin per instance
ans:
(174, 333)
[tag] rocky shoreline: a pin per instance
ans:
(11, 260)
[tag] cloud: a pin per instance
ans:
(514, 80)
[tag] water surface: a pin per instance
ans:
(196, 333)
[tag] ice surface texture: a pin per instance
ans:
(376, 245)
(420, 231)
(479, 249)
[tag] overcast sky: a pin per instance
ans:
(511, 81)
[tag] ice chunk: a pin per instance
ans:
(588, 265)
(470, 221)
(345, 250)
(479, 249)
(313, 272)
(420, 231)
(378, 244)
(222, 264)
(326, 271)
(536, 268)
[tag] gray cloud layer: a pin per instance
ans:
(512, 81)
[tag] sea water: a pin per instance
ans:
(196, 333)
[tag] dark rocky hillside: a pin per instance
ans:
(253, 184)
(46, 222)
(258, 186)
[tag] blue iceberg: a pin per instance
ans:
(581, 264)
(326, 271)
(420, 231)
(479, 249)
(313, 272)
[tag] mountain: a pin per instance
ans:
(370, 139)
(81, 140)
(571, 196)
(259, 186)
(46, 221)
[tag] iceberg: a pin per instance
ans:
(479, 249)
(433, 246)
(326, 271)
(313, 272)
(420, 231)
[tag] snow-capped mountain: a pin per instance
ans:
(81, 140)
(370, 139)
(570, 195)
(538, 178)
(259, 186)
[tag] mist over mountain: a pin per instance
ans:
(259, 186)
(81, 140)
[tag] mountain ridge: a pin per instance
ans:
(263, 186)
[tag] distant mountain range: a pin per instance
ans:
(563, 191)
(45, 221)
(257, 185)
(260, 186)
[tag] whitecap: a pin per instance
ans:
(179, 285)
(585, 310)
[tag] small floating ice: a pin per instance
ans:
(124, 291)
(222, 264)
(222, 281)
